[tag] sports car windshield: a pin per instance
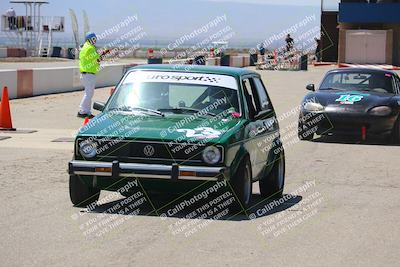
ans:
(166, 93)
(363, 81)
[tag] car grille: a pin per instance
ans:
(131, 151)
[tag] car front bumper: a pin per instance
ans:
(352, 124)
(172, 172)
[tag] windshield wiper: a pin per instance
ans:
(332, 88)
(126, 108)
(192, 110)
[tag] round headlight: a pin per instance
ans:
(211, 155)
(87, 149)
(381, 111)
(313, 107)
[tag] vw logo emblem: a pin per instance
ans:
(148, 150)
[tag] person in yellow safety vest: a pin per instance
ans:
(89, 65)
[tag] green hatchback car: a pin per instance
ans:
(172, 128)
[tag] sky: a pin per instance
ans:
(250, 20)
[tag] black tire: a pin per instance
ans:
(242, 184)
(304, 134)
(272, 185)
(396, 132)
(82, 195)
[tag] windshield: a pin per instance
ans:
(174, 96)
(363, 81)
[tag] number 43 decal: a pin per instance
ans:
(201, 133)
(349, 99)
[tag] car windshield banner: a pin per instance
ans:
(182, 77)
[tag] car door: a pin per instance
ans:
(263, 127)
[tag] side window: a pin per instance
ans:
(393, 85)
(336, 78)
(262, 94)
(398, 85)
(248, 92)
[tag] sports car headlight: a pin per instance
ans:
(211, 155)
(87, 149)
(381, 111)
(313, 107)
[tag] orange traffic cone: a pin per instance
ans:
(86, 121)
(5, 113)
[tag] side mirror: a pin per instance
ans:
(311, 87)
(99, 106)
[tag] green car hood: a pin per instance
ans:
(177, 128)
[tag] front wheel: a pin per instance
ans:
(273, 184)
(242, 183)
(81, 194)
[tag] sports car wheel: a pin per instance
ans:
(396, 132)
(242, 183)
(273, 184)
(81, 195)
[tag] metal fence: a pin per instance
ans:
(32, 23)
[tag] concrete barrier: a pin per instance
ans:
(3, 52)
(9, 78)
(177, 62)
(110, 75)
(61, 81)
(239, 61)
(42, 81)
(140, 54)
(167, 54)
(215, 61)
(16, 52)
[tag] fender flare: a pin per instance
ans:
(241, 155)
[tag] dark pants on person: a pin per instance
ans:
(12, 23)
(318, 55)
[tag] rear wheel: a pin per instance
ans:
(396, 132)
(242, 183)
(81, 194)
(273, 184)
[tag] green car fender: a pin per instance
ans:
(273, 156)
(241, 155)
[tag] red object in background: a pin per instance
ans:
(212, 52)
(112, 90)
(16, 52)
(5, 112)
(150, 53)
(86, 121)
(363, 133)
